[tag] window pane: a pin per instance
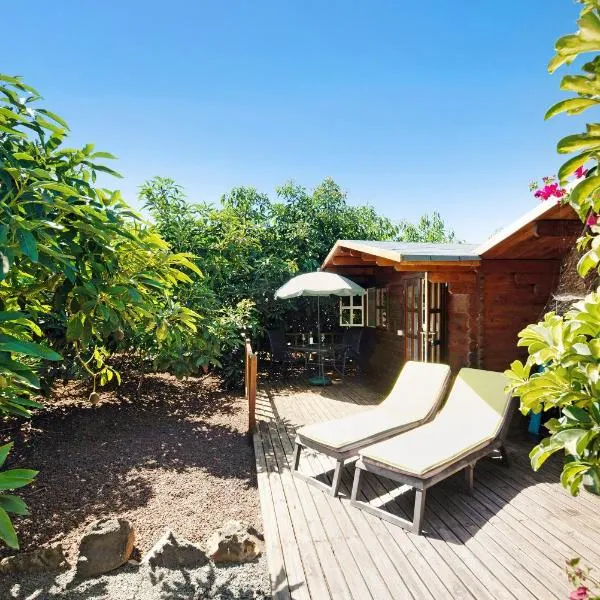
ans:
(357, 316)
(345, 317)
(345, 301)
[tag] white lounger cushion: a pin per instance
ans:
(416, 395)
(471, 418)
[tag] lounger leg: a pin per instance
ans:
(469, 473)
(356, 484)
(504, 456)
(419, 511)
(337, 477)
(296, 461)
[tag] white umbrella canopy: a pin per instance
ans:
(319, 283)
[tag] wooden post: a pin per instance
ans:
(250, 384)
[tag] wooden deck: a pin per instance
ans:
(509, 540)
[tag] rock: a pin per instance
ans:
(51, 558)
(171, 552)
(105, 545)
(235, 542)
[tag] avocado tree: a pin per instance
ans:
(80, 273)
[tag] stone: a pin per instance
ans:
(171, 552)
(234, 542)
(106, 544)
(51, 558)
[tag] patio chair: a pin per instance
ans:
(278, 349)
(414, 399)
(472, 424)
(351, 348)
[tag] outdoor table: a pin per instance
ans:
(322, 349)
(316, 348)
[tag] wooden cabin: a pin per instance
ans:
(458, 303)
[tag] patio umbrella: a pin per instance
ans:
(319, 283)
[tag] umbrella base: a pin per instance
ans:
(319, 380)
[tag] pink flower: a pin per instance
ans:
(580, 172)
(581, 593)
(550, 190)
(592, 220)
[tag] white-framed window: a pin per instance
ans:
(352, 311)
(377, 307)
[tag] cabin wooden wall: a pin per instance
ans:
(464, 316)
(487, 307)
(515, 293)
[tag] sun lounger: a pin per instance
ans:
(414, 399)
(472, 424)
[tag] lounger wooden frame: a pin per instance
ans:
(421, 484)
(340, 458)
(351, 453)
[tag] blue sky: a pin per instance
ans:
(410, 106)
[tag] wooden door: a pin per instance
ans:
(424, 320)
(434, 320)
(413, 342)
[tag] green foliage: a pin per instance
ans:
(11, 479)
(563, 368)
(428, 229)
(249, 245)
(568, 349)
(77, 267)
(585, 197)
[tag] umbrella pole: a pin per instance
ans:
(321, 372)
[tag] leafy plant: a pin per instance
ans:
(563, 368)
(11, 479)
(568, 349)
(250, 244)
(80, 272)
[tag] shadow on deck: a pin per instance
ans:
(509, 540)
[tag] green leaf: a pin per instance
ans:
(571, 106)
(542, 452)
(569, 438)
(105, 169)
(161, 332)
(10, 344)
(103, 155)
(580, 84)
(16, 478)
(569, 167)
(4, 450)
(13, 504)
(584, 189)
(75, 327)
(23, 156)
(576, 414)
(578, 142)
(54, 117)
(7, 531)
(28, 244)
(587, 262)
(10, 316)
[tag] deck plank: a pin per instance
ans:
(509, 540)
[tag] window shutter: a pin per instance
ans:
(371, 307)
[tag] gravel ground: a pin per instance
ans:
(240, 582)
(165, 453)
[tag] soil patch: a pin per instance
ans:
(157, 451)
